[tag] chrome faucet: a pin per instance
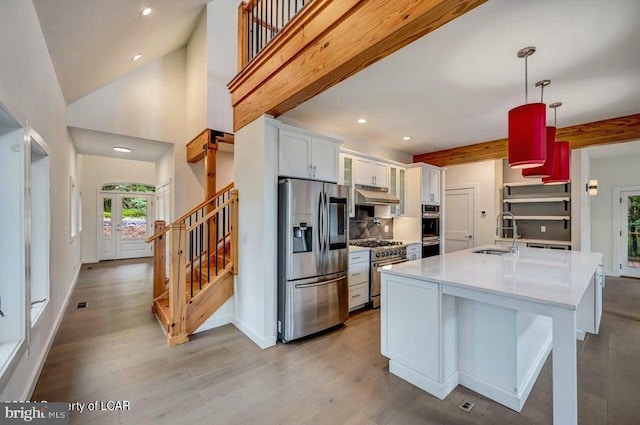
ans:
(514, 248)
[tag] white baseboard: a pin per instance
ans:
(260, 340)
(497, 394)
(33, 379)
(214, 323)
(419, 380)
(90, 260)
(534, 372)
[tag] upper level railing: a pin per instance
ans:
(259, 21)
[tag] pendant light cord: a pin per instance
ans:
(526, 88)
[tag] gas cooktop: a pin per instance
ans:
(373, 243)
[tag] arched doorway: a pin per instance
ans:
(125, 220)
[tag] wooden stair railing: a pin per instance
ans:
(203, 261)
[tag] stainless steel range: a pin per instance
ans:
(383, 253)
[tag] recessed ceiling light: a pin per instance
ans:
(136, 57)
(121, 149)
(146, 11)
(362, 121)
(405, 138)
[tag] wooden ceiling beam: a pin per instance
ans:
(327, 42)
(614, 130)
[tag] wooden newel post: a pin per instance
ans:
(159, 259)
(234, 230)
(177, 286)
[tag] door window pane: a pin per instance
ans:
(633, 214)
(106, 217)
(134, 218)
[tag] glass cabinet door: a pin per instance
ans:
(397, 177)
(346, 178)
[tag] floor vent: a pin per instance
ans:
(466, 406)
(82, 304)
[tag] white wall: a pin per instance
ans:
(30, 90)
(609, 172)
(222, 62)
(196, 80)
(580, 201)
(255, 286)
(147, 103)
(487, 176)
(165, 172)
(95, 171)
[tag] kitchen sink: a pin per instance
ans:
(491, 251)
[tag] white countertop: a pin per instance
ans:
(552, 277)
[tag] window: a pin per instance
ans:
(39, 207)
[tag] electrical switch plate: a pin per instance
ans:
(543, 229)
(386, 228)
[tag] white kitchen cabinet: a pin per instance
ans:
(397, 187)
(346, 178)
(358, 279)
(430, 187)
(414, 251)
(304, 156)
(371, 173)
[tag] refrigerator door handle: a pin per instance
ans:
(324, 282)
(320, 232)
(327, 220)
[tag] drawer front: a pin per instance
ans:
(358, 294)
(358, 273)
(414, 249)
(359, 257)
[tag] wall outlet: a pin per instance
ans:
(543, 229)
(386, 228)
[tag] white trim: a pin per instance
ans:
(423, 382)
(33, 379)
(616, 255)
(215, 323)
(261, 341)
(90, 260)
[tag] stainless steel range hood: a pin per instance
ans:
(366, 195)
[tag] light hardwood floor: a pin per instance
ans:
(115, 350)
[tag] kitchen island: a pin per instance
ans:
(488, 322)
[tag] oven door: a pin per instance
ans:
(375, 279)
(430, 247)
(430, 226)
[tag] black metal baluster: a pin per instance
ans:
(191, 254)
(209, 247)
(201, 252)
(224, 242)
(217, 239)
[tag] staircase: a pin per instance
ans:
(203, 261)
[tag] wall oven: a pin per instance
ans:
(430, 230)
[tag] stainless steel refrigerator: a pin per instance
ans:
(313, 258)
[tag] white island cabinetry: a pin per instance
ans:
(488, 322)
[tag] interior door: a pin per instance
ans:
(126, 223)
(630, 233)
(459, 219)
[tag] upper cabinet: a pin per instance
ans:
(346, 178)
(430, 187)
(397, 187)
(304, 156)
(371, 173)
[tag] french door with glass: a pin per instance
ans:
(125, 220)
(630, 233)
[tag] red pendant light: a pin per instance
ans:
(561, 171)
(561, 165)
(547, 168)
(527, 128)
